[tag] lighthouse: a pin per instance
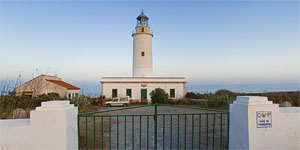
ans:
(142, 48)
(142, 82)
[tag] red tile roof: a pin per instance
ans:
(64, 84)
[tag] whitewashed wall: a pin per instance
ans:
(247, 130)
(142, 65)
(136, 89)
(51, 126)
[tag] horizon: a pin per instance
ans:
(93, 89)
(209, 43)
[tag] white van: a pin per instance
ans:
(119, 101)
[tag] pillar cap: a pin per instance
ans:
(55, 105)
(252, 100)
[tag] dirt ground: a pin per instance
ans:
(176, 129)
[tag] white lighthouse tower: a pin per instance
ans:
(142, 48)
(142, 83)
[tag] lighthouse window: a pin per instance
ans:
(143, 54)
(142, 29)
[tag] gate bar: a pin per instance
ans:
(86, 145)
(117, 132)
(213, 144)
(200, 118)
(102, 132)
(140, 132)
(125, 132)
(178, 132)
(163, 132)
(155, 126)
(221, 135)
(192, 132)
(171, 134)
(132, 128)
(185, 131)
(207, 131)
(94, 134)
(110, 133)
(147, 132)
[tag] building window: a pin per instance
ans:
(114, 93)
(143, 29)
(128, 92)
(69, 95)
(172, 93)
(143, 54)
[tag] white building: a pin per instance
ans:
(142, 83)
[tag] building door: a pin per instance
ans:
(143, 94)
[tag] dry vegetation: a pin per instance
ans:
(225, 97)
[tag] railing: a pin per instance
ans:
(134, 31)
(207, 129)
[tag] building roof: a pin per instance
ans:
(64, 84)
(143, 80)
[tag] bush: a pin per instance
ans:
(159, 96)
(185, 102)
(139, 102)
(194, 95)
(220, 98)
(9, 103)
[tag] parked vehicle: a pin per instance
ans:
(119, 101)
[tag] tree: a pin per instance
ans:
(159, 96)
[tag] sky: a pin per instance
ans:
(208, 42)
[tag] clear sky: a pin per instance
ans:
(208, 42)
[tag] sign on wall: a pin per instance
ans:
(264, 119)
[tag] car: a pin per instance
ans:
(119, 101)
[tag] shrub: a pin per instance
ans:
(139, 102)
(194, 95)
(185, 102)
(9, 103)
(159, 96)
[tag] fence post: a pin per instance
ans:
(155, 126)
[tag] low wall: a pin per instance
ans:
(256, 123)
(51, 126)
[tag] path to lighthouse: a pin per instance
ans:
(171, 127)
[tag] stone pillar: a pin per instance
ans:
(256, 123)
(54, 125)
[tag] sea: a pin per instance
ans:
(94, 90)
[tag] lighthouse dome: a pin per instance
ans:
(142, 16)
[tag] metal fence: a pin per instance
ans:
(196, 128)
